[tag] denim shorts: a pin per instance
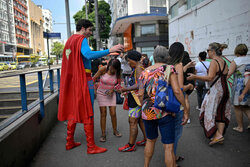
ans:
(166, 126)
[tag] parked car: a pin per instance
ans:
(13, 66)
(32, 64)
(4, 66)
(38, 64)
(22, 66)
(9, 65)
(42, 63)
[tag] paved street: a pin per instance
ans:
(13, 83)
(235, 152)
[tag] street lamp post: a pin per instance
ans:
(97, 26)
(67, 18)
(86, 10)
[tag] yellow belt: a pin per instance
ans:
(87, 70)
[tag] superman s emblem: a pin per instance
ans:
(68, 51)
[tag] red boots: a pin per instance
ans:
(92, 148)
(89, 131)
(70, 136)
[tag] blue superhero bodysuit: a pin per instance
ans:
(87, 56)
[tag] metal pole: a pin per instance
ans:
(44, 81)
(67, 18)
(23, 92)
(40, 87)
(48, 51)
(86, 10)
(97, 26)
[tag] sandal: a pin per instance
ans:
(221, 142)
(238, 129)
(214, 141)
(117, 134)
(103, 138)
(179, 159)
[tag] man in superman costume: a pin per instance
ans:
(76, 101)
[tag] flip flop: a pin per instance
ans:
(103, 139)
(179, 159)
(238, 129)
(215, 141)
(221, 142)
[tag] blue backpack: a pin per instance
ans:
(164, 98)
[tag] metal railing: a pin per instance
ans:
(41, 99)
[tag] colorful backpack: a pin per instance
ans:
(164, 98)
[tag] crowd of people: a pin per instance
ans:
(137, 78)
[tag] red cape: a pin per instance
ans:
(74, 100)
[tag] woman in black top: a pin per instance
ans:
(188, 67)
(134, 105)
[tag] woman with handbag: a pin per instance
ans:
(134, 104)
(216, 106)
(202, 70)
(155, 118)
(109, 76)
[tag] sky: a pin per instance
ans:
(57, 7)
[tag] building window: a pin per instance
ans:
(158, 3)
(147, 30)
(192, 3)
(147, 50)
(163, 29)
(174, 10)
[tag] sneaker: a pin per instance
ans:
(141, 143)
(127, 148)
(188, 122)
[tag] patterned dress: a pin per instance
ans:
(216, 106)
(241, 76)
(150, 80)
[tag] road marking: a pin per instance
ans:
(14, 82)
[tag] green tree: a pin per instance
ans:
(57, 49)
(103, 9)
(34, 58)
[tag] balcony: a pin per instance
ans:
(23, 5)
(20, 11)
(21, 28)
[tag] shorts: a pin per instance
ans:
(166, 126)
(134, 112)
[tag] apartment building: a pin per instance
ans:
(47, 17)
(47, 27)
(36, 24)
(22, 26)
(7, 30)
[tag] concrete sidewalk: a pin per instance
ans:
(235, 152)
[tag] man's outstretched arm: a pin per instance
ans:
(89, 54)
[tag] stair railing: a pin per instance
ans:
(42, 98)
